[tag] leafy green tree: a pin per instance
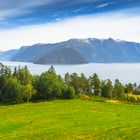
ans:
(15, 87)
(84, 85)
(119, 90)
(68, 93)
(95, 84)
(67, 79)
(107, 88)
(137, 90)
(49, 86)
(51, 69)
(5, 73)
(25, 78)
(74, 82)
(129, 88)
(13, 92)
(23, 75)
(29, 92)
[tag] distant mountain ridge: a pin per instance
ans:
(66, 55)
(90, 50)
(7, 55)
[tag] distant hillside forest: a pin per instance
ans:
(20, 86)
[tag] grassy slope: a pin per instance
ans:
(72, 119)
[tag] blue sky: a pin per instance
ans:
(21, 19)
(28, 12)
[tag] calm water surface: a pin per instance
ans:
(124, 72)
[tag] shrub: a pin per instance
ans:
(68, 93)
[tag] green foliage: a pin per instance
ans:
(19, 86)
(67, 79)
(79, 83)
(128, 98)
(118, 92)
(23, 75)
(75, 82)
(95, 83)
(13, 91)
(84, 85)
(129, 88)
(15, 87)
(107, 89)
(29, 92)
(137, 90)
(68, 93)
(49, 86)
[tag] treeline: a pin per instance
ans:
(20, 86)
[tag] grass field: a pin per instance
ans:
(70, 120)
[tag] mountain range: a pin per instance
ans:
(8, 55)
(77, 51)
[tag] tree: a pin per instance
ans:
(67, 79)
(5, 73)
(68, 93)
(23, 75)
(13, 92)
(95, 83)
(107, 88)
(137, 90)
(74, 82)
(84, 85)
(51, 69)
(129, 88)
(49, 86)
(118, 92)
(29, 91)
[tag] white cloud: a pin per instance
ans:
(102, 5)
(117, 26)
(16, 7)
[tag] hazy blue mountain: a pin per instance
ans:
(91, 49)
(107, 50)
(63, 55)
(35, 52)
(7, 55)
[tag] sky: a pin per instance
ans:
(28, 22)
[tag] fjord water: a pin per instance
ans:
(125, 72)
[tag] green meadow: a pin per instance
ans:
(70, 120)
